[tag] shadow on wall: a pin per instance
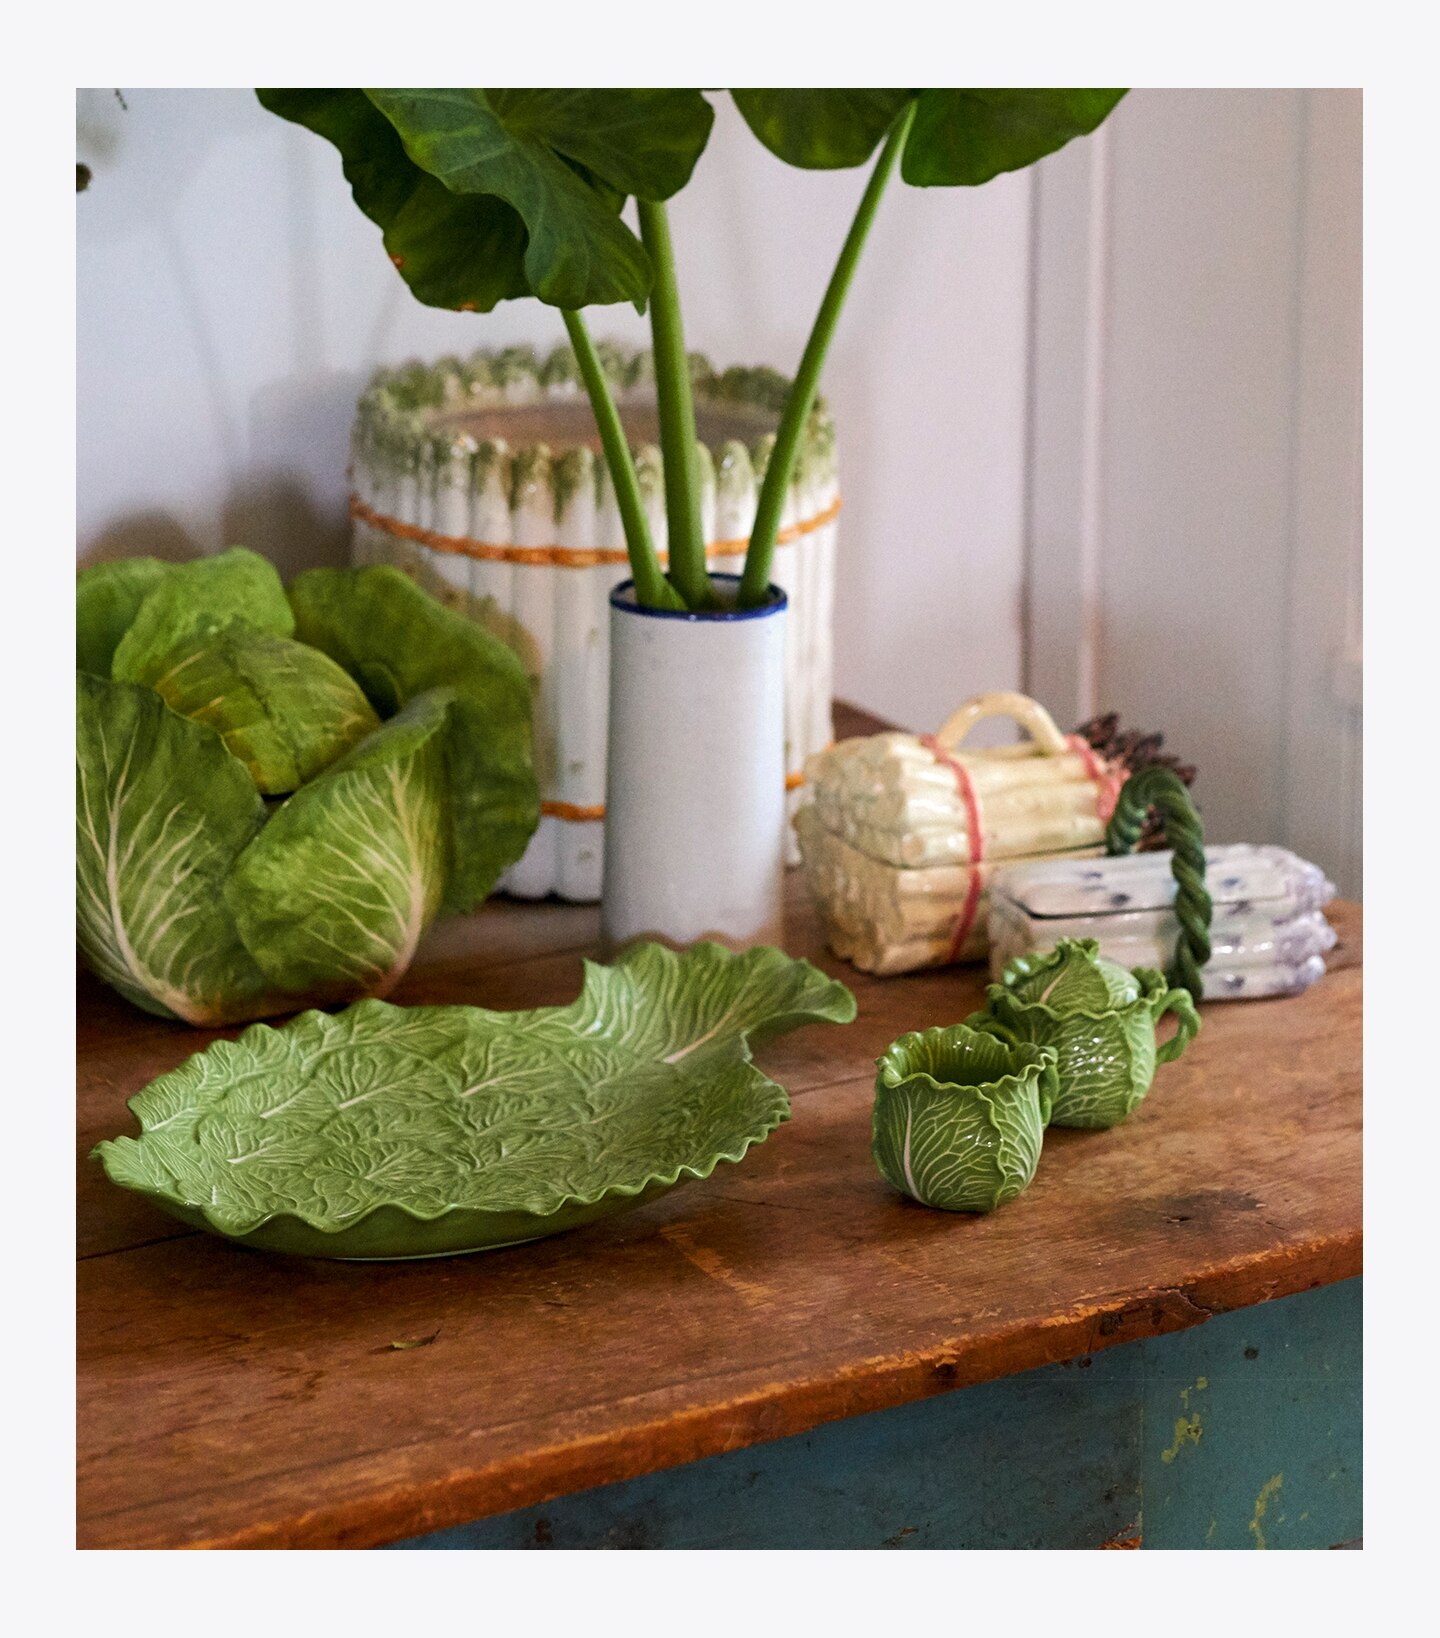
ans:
(273, 515)
(277, 517)
(146, 534)
(290, 503)
(291, 500)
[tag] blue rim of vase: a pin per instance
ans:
(778, 602)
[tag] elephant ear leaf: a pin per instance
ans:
(644, 143)
(964, 138)
(454, 250)
(578, 252)
(487, 195)
(820, 130)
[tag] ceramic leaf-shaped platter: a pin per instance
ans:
(392, 1131)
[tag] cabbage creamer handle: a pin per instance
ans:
(1187, 1023)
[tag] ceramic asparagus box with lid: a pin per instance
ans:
(1268, 933)
(483, 479)
(900, 834)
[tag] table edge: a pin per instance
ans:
(776, 1411)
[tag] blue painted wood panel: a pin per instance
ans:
(1242, 1432)
(1252, 1431)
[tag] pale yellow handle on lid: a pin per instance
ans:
(1030, 714)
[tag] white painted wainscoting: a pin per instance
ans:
(1193, 538)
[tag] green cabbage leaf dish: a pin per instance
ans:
(390, 1131)
(277, 790)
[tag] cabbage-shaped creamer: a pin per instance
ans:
(960, 1116)
(1099, 1018)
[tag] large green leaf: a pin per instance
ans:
(398, 642)
(579, 253)
(107, 599)
(162, 810)
(821, 130)
(958, 139)
(487, 195)
(959, 1117)
(202, 596)
(453, 250)
(644, 143)
(332, 896)
(964, 138)
(285, 710)
(512, 1121)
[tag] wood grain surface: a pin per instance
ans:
(230, 1399)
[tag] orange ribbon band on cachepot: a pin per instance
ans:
(561, 557)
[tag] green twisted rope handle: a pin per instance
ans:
(1162, 790)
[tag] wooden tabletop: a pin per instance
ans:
(233, 1399)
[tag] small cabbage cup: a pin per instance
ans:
(1099, 1018)
(960, 1116)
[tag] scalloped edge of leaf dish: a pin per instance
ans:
(681, 1001)
(455, 1232)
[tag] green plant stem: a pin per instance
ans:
(652, 590)
(677, 414)
(761, 552)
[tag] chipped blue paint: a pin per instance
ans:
(1072, 1455)
(1279, 1462)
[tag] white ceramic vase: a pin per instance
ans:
(696, 813)
(483, 480)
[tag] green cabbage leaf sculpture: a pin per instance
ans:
(422, 1131)
(960, 1116)
(1099, 1017)
(278, 791)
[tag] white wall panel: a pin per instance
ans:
(1193, 527)
(1322, 784)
